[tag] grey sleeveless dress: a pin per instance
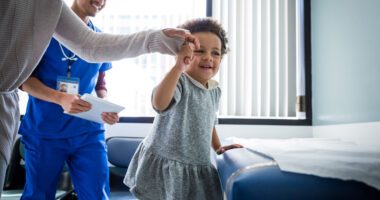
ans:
(173, 161)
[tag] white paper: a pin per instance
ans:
(98, 106)
(323, 157)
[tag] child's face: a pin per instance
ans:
(206, 60)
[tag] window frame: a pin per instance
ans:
(253, 121)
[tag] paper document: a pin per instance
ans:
(98, 106)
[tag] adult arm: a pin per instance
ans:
(69, 102)
(100, 47)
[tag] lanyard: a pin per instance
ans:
(70, 60)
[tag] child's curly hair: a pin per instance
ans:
(207, 25)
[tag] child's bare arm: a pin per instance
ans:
(165, 90)
(215, 142)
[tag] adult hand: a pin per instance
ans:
(110, 117)
(73, 104)
(182, 33)
(228, 147)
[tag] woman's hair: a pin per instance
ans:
(207, 25)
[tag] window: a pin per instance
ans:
(262, 76)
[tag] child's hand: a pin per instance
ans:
(228, 147)
(185, 55)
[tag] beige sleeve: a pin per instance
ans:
(102, 47)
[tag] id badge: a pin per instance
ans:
(69, 86)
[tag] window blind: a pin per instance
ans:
(262, 74)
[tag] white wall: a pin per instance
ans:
(345, 69)
(362, 133)
(345, 61)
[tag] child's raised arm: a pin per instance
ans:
(165, 90)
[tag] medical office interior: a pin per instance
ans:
(299, 91)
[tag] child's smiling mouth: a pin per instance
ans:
(205, 66)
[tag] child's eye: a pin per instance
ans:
(216, 53)
(198, 51)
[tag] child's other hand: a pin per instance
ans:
(228, 147)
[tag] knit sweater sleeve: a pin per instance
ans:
(101, 47)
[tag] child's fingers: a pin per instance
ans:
(232, 146)
(189, 45)
(237, 146)
(187, 49)
(194, 41)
